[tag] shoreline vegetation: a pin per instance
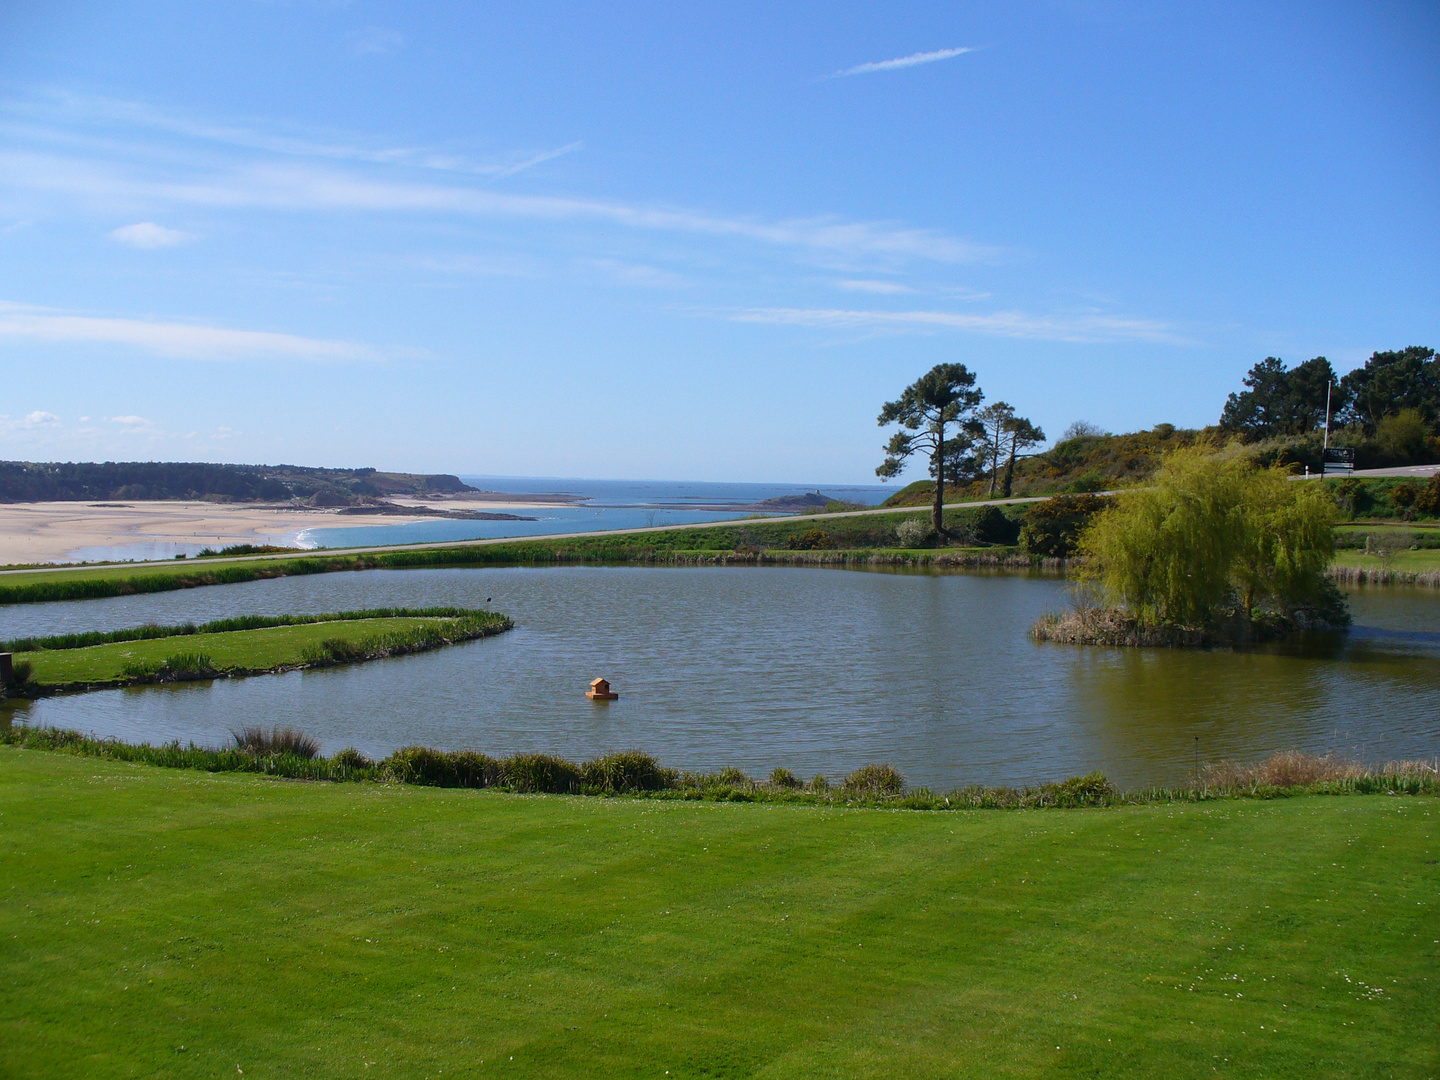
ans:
(234, 648)
(1035, 537)
(289, 754)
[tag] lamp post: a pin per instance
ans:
(1328, 384)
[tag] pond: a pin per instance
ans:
(818, 670)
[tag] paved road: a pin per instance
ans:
(546, 536)
(1405, 470)
(1419, 471)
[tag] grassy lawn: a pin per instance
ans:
(160, 922)
(246, 649)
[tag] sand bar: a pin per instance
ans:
(54, 531)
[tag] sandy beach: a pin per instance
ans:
(56, 531)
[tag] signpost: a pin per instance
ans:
(1339, 460)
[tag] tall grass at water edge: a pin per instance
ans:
(1366, 575)
(284, 752)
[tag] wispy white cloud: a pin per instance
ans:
(40, 418)
(624, 273)
(73, 112)
(1084, 327)
(884, 288)
(903, 61)
(375, 41)
(318, 188)
(186, 340)
(132, 421)
(146, 234)
(501, 265)
(527, 161)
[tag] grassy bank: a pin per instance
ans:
(151, 654)
(172, 923)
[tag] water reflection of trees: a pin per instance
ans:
(1143, 709)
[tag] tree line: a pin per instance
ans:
(1393, 400)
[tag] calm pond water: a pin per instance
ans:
(817, 670)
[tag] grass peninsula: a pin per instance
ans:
(244, 646)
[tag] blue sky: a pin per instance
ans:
(688, 241)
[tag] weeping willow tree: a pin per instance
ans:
(1208, 533)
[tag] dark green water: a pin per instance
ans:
(817, 670)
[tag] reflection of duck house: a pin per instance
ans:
(600, 691)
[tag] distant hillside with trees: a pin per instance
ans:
(1388, 411)
(28, 481)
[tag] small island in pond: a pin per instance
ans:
(1213, 551)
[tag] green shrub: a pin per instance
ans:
(1401, 437)
(991, 525)
(627, 771)
(914, 532)
(1086, 482)
(810, 540)
(1427, 500)
(334, 651)
(1052, 528)
(1092, 789)
(435, 768)
(541, 773)
(732, 777)
(1351, 496)
(20, 674)
(819, 784)
(474, 770)
(350, 758)
(422, 765)
(189, 665)
(179, 667)
(874, 780)
(784, 778)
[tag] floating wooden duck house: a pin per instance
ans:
(600, 691)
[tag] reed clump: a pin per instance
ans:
(784, 778)
(1113, 627)
(178, 667)
(276, 741)
(1328, 773)
(350, 758)
(874, 780)
(1289, 768)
